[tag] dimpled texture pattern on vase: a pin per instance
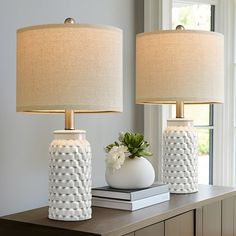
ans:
(180, 160)
(70, 180)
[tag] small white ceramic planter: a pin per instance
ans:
(134, 174)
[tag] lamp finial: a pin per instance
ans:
(180, 27)
(69, 21)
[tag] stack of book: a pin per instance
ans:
(132, 199)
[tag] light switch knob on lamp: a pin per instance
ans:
(180, 67)
(69, 68)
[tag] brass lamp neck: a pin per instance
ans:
(69, 114)
(180, 104)
(179, 109)
(69, 120)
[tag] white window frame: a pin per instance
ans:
(157, 16)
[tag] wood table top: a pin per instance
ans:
(112, 222)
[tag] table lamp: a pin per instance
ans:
(69, 68)
(180, 67)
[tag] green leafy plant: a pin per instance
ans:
(135, 143)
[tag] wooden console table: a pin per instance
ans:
(210, 212)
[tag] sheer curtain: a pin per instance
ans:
(224, 165)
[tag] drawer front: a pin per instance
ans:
(152, 230)
(211, 219)
(228, 217)
(180, 225)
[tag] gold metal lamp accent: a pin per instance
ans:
(179, 109)
(69, 120)
(69, 21)
(69, 114)
(180, 104)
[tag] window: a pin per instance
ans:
(192, 15)
(222, 16)
(198, 16)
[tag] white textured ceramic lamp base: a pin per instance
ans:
(134, 174)
(180, 160)
(70, 176)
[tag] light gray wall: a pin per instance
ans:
(24, 139)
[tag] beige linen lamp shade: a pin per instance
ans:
(69, 66)
(179, 65)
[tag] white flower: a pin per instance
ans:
(116, 157)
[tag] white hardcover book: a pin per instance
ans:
(130, 205)
(130, 194)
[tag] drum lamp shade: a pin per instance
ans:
(69, 66)
(179, 65)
